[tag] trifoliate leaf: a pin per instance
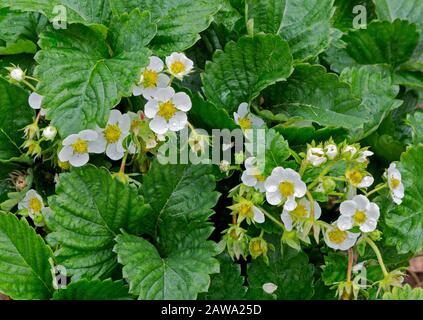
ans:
(305, 24)
(288, 269)
(228, 284)
(70, 11)
(89, 210)
(374, 86)
(94, 82)
(245, 68)
(416, 122)
(404, 293)
(177, 30)
(16, 114)
(315, 95)
(382, 42)
(404, 223)
(24, 261)
(93, 290)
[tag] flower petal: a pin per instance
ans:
(361, 202)
(178, 121)
(113, 153)
(274, 198)
(287, 220)
(344, 223)
(159, 125)
(35, 100)
(348, 208)
(151, 108)
(65, 154)
(182, 101)
(248, 180)
(156, 64)
(78, 160)
(258, 215)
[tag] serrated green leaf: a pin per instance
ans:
(228, 284)
(93, 290)
(94, 83)
(404, 223)
(315, 95)
(90, 209)
(335, 268)
(288, 269)
(177, 29)
(374, 86)
(245, 68)
(416, 122)
(404, 293)
(77, 11)
(24, 261)
(277, 151)
(382, 42)
(305, 24)
(16, 114)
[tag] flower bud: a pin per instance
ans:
(17, 74)
(331, 151)
(258, 247)
(328, 184)
(316, 156)
(49, 132)
(257, 198)
(224, 166)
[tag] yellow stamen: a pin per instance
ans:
(245, 123)
(177, 67)
(35, 204)
(395, 183)
(300, 211)
(337, 236)
(150, 79)
(260, 178)
(354, 176)
(80, 146)
(245, 209)
(286, 188)
(360, 217)
(112, 133)
(167, 110)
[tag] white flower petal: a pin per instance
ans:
(361, 202)
(114, 117)
(369, 225)
(366, 182)
(162, 81)
(290, 203)
(348, 208)
(88, 135)
(78, 160)
(113, 153)
(373, 211)
(287, 220)
(272, 184)
(156, 64)
(151, 108)
(178, 121)
(182, 101)
(243, 110)
(248, 180)
(159, 125)
(345, 223)
(65, 154)
(164, 94)
(273, 198)
(269, 287)
(97, 146)
(137, 91)
(258, 215)
(125, 123)
(35, 100)
(70, 139)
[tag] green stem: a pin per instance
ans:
(29, 85)
(378, 255)
(350, 263)
(123, 164)
(310, 198)
(280, 224)
(295, 155)
(377, 189)
(324, 172)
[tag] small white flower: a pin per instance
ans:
(76, 148)
(331, 151)
(358, 212)
(35, 102)
(269, 287)
(179, 65)
(338, 239)
(17, 74)
(359, 179)
(167, 110)
(252, 176)
(245, 119)
(151, 78)
(395, 183)
(284, 185)
(362, 158)
(351, 150)
(316, 156)
(302, 211)
(49, 132)
(111, 138)
(32, 201)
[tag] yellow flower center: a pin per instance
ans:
(245, 209)
(150, 79)
(337, 236)
(260, 178)
(355, 176)
(167, 110)
(245, 123)
(300, 211)
(112, 133)
(35, 204)
(286, 188)
(360, 217)
(177, 67)
(256, 248)
(80, 146)
(395, 183)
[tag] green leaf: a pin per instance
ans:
(374, 86)
(345, 13)
(404, 293)
(16, 114)
(404, 223)
(245, 68)
(90, 209)
(382, 42)
(228, 284)
(416, 122)
(305, 24)
(179, 22)
(24, 261)
(179, 264)
(409, 79)
(335, 268)
(288, 269)
(94, 290)
(77, 11)
(391, 10)
(315, 95)
(94, 83)
(277, 151)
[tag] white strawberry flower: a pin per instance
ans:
(76, 148)
(358, 211)
(331, 151)
(359, 179)
(151, 78)
(33, 202)
(17, 74)
(167, 110)
(245, 119)
(316, 156)
(35, 101)
(110, 139)
(284, 185)
(302, 211)
(49, 132)
(350, 149)
(179, 65)
(362, 158)
(395, 184)
(252, 176)
(338, 239)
